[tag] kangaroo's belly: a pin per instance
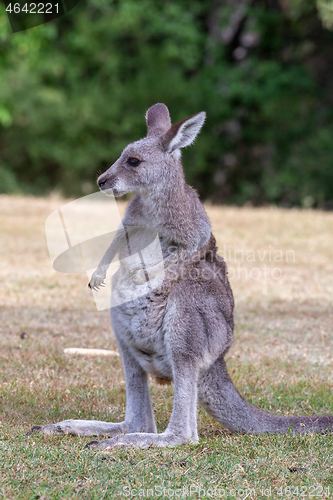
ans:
(139, 323)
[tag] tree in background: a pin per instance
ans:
(73, 93)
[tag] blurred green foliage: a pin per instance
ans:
(73, 93)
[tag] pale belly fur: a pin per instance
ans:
(140, 325)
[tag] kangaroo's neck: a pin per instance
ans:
(170, 197)
(174, 210)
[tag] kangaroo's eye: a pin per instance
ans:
(134, 162)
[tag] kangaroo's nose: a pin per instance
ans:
(101, 183)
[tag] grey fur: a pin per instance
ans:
(182, 329)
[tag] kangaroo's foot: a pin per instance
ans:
(142, 440)
(82, 428)
(97, 280)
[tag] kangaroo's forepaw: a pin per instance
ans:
(140, 440)
(139, 278)
(97, 281)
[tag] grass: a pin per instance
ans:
(281, 361)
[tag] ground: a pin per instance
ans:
(281, 271)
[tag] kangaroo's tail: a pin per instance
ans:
(220, 399)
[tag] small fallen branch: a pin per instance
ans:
(90, 352)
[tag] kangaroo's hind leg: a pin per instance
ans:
(185, 358)
(139, 414)
(183, 423)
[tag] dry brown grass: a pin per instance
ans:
(283, 333)
(281, 360)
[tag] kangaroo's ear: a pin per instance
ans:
(183, 133)
(158, 119)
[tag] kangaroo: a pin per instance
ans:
(181, 329)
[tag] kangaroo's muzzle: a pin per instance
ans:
(105, 182)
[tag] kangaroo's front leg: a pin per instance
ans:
(98, 278)
(183, 422)
(139, 414)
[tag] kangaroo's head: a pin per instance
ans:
(153, 160)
